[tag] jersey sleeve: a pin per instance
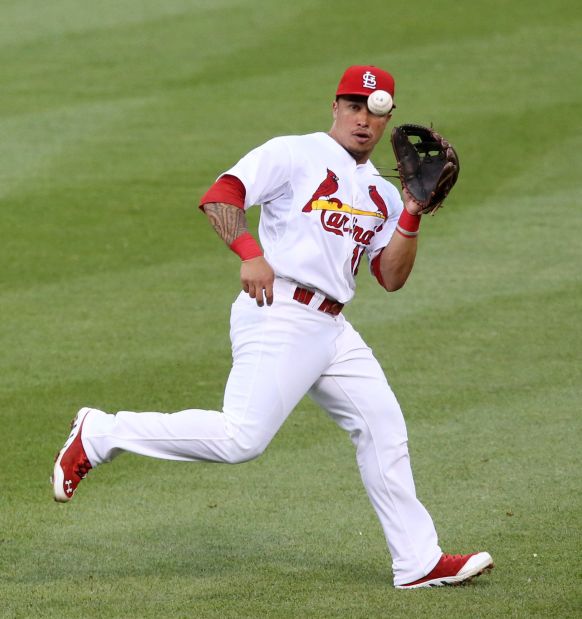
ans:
(264, 171)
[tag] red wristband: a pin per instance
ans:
(245, 247)
(408, 224)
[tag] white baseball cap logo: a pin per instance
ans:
(369, 80)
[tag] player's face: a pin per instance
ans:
(356, 128)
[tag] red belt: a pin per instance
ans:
(329, 306)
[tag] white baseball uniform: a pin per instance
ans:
(320, 212)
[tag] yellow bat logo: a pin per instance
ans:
(325, 205)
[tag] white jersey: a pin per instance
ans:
(320, 210)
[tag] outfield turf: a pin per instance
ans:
(115, 292)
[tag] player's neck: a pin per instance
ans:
(359, 158)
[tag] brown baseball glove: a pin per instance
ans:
(428, 166)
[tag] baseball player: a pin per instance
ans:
(323, 206)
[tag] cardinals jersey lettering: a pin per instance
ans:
(320, 211)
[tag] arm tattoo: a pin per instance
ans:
(229, 221)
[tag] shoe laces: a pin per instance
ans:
(83, 467)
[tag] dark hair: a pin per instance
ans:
(358, 98)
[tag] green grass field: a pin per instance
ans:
(115, 293)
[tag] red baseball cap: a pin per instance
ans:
(364, 80)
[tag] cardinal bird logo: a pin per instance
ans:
(378, 201)
(326, 188)
(343, 219)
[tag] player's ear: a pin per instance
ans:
(334, 107)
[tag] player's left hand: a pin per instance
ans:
(427, 164)
(257, 277)
(410, 204)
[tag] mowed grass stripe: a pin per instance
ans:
(97, 310)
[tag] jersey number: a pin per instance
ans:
(356, 257)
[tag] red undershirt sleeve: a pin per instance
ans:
(376, 269)
(227, 189)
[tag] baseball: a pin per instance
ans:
(380, 102)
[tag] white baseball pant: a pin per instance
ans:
(280, 353)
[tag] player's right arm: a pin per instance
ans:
(255, 179)
(230, 223)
